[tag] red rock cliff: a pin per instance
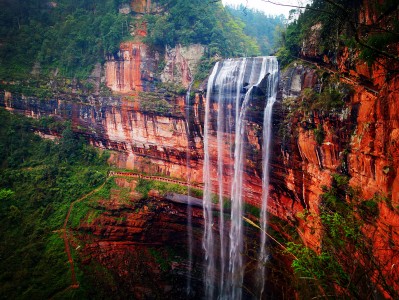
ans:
(360, 140)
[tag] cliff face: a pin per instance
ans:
(131, 244)
(359, 140)
(181, 64)
(136, 68)
(143, 141)
(124, 73)
(137, 246)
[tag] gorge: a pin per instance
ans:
(210, 177)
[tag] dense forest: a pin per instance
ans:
(266, 29)
(38, 181)
(68, 37)
(201, 22)
(339, 27)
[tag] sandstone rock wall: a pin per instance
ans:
(181, 64)
(124, 73)
(135, 67)
(143, 141)
(361, 141)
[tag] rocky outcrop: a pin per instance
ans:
(181, 64)
(135, 67)
(141, 6)
(144, 141)
(136, 245)
(123, 73)
(360, 140)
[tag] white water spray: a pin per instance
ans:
(189, 207)
(267, 131)
(230, 85)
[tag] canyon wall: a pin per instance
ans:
(137, 68)
(360, 140)
(130, 244)
(142, 141)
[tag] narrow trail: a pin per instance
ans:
(74, 281)
(64, 230)
(157, 178)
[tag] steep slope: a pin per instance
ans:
(336, 175)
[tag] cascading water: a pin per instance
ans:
(230, 88)
(189, 207)
(207, 242)
(271, 94)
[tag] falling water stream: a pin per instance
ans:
(189, 204)
(272, 69)
(229, 93)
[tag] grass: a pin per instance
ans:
(144, 186)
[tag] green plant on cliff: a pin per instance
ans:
(144, 186)
(333, 271)
(159, 106)
(339, 22)
(319, 134)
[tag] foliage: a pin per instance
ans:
(70, 36)
(260, 26)
(339, 24)
(38, 181)
(159, 106)
(162, 258)
(323, 267)
(199, 22)
(290, 41)
(6, 194)
(205, 65)
(343, 217)
(380, 40)
(331, 98)
(319, 134)
(144, 186)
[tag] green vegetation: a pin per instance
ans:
(201, 22)
(338, 24)
(205, 66)
(162, 257)
(263, 28)
(159, 106)
(68, 35)
(144, 186)
(319, 134)
(38, 181)
(329, 100)
(331, 271)
(332, 98)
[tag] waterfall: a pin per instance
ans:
(189, 207)
(207, 242)
(267, 129)
(229, 93)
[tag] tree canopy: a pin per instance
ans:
(348, 23)
(262, 27)
(202, 22)
(68, 35)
